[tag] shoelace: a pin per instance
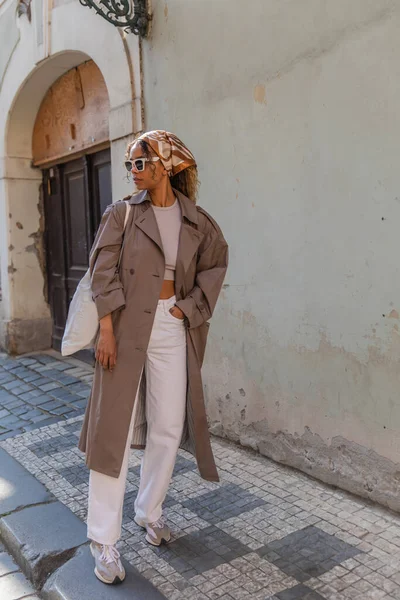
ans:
(159, 524)
(110, 554)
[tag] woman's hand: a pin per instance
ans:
(177, 313)
(106, 350)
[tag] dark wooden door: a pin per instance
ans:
(76, 194)
(54, 239)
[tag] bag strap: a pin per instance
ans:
(127, 213)
(128, 210)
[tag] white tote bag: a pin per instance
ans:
(83, 321)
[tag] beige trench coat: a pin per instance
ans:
(131, 294)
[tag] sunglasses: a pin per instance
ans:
(139, 164)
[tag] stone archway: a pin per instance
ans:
(25, 321)
(72, 148)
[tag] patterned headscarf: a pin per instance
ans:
(174, 155)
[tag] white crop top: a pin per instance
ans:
(169, 221)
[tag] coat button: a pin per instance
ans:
(132, 271)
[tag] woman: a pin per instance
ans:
(153, 310)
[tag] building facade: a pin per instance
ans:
(291, 110)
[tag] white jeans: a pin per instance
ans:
(166, 380)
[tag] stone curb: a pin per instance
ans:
(18, 487)
(49, 542)
(76, 581)
(42, 538)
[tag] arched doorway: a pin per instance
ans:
(71, 146)
(26, 323)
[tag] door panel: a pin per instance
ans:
(101, 184)
(76, 195)
(78, 230)
(55, 254)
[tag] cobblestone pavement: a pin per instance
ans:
(265, 532)
(13, 584)
(40, 390)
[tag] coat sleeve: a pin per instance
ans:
(198, 306)
(107, 289)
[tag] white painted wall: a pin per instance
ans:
(291, 109)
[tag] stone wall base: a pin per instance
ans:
(20, 336)
(342, 463)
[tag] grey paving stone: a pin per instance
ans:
(224, 503)
(53, 385)
(24, 388)
(27, 361)
(39, 399)
(33, 412)
(19, 488)
(20, 371)
(76, 581)
(42, 538)
(67, 379)
(11, 405)
(55, 444)
(6, 399)
(7, 565)
(61, 365)
(12, 384)
(56, 375)
(81, 403)
(20, 411)
(299, 592)
(323, 552)
(196, 553)
(34, 377)
(37, 379)
(44, 359)
(11, 421)
(9, 434)
(49, 405)
(42, 422)
(76, 474)
(31, 426)
(14, 587)
(4, 413)
(42, 416)
(64, 394)
(79, 388)
(72, 427)
(63, 410)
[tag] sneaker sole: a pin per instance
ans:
(116, 581)
(147, 538)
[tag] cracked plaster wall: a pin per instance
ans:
(291, 109)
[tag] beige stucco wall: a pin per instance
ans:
(292, 111)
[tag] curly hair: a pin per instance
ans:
(186, 181)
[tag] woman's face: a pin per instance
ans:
(153, 173)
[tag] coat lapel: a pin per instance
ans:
(189, 241)
(148, 224)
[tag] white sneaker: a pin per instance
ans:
(108, 567)
(156, 532)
